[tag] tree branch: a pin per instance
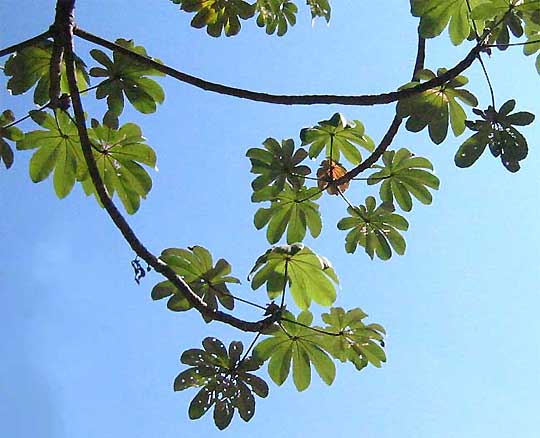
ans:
(115, 214)
(312, 99)
(394, 126)
(27, 43)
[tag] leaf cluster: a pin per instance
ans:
(218, 16)
(337, 136)
(436, 108)
(376, 229)
(196, 266)
(496, 129)
(226, 380)
(119, 155)
(296, 343)
(224, 16)
(403, 175)
(308, 276)
(31, 67)
(126, 79)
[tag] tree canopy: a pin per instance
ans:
(109, 157)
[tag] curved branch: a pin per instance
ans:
(311, 99)
(394, 126)
(120, 221)
(27, 43)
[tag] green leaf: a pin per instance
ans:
(196, 267)
(404, 175)
(119, 154)
(12, 134)
(124, 77)
(224, 379)
(291, 210)
(435, 16)
(295, 343)
(320, 8)
(357, 342)
(309, 276)
(58, 151)
(337, 136)
(277, 165)
(276, 15)
(436, 108)
(31, 67)
(375, 229)
(495, 129)
(217, 15)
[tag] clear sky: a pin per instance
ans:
(85, 353)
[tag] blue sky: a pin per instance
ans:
(86, 353)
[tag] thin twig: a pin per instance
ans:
(250, 348)
(311, 196)
(313, 178)
(41, 108)
(472, 21)
(242, 300)
(311, 99)
(525, 43)
(315, 329)
(22, 119)
(284, 284)
(29, 42)
(486, 74)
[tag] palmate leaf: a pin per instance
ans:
(502, 19)
(320, 8)
(218, 16)
(435, 16)
(292, 344)
(496, 130)
(337, 136)
(12, 134)
(119, 154)
(308, 276)
(404, 175)
(291, 210)
(278, 164)
(196, 267)
(31, 66)
(124, 77)
(436, 108)
(58, 150)
(375, 229)
(359, 343)
(276, 15)
(226, 380)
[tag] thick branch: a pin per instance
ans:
(314, 99)
(29, 42)
(119, 220)
(394, 126)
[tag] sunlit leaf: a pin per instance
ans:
(437, 108)
(195, 265)
(308, 276)
(375, 229)
(403, 175)
(31, 66)
(337, 137)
